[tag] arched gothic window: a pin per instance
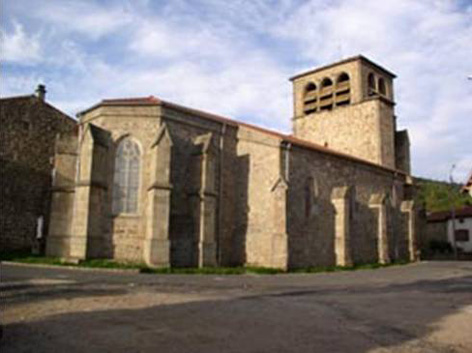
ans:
(126, 177)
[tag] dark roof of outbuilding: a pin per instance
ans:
(463, 212)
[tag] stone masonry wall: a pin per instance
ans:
(352, 129)
(402, 151)
(124, 233)
(387, 134)
(270, 203)
(311, 214)
(259, 172)
(28, 133)
(355, 80)
(63, 194)
(247, 166)
(185, 178)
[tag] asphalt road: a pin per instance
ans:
(423, 307)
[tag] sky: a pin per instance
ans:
(234, 58)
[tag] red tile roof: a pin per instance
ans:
(352, 58)
(151, 100)
(464, 212)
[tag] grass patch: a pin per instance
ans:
(213, 270)
(104, 263)
(369, 266)
(27, 258)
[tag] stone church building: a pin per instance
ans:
(150, 181)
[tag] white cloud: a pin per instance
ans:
(20, 84)
(19, 47)
(428, 44)
(211, 65)
(156, 39)
(234, 58)
(88, 18)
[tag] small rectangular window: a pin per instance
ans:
(462, 235)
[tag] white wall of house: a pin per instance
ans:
(461, 223)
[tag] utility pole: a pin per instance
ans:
(453, 213)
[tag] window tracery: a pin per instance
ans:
(126, 177)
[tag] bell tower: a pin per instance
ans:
(347, 106)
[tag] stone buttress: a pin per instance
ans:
(157, 242)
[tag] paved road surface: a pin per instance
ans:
(424, 307)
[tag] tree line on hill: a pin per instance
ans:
(440, 195)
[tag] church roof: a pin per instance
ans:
(344, 61)
(154, 101)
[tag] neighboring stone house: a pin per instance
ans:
(28, 129)
(146, 180)
(447, 228)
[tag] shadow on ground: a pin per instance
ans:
(353, 319)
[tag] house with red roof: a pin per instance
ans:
(452, 227)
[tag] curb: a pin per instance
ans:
(68, 267)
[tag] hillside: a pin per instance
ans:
(440, 195)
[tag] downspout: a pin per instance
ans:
(287, 180)
(287, 162)
(220, 194)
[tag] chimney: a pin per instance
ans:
(41, 92)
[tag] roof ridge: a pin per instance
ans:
(23, 96)
(152, 100)
(340, 62)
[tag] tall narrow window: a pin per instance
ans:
(343, 90)
(310, 100)
(371, 84)
(382, 89)
(326, 94)
(126, 178)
